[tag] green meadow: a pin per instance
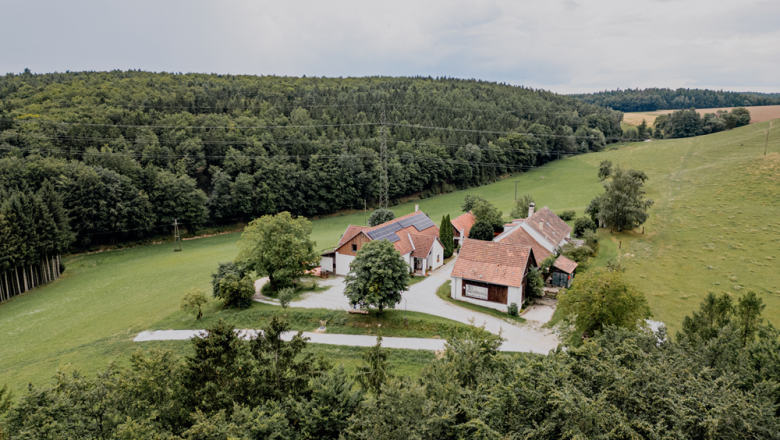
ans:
(715, 227)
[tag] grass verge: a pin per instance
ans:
(391, 323)
(443, 292)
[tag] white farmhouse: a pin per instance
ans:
(415, 236)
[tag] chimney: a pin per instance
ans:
(531, 209)
(416, 208)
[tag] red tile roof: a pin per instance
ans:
(422, 245)
(521, 236)
(350, 233)
(493, 262)
(464, 222)
(565, 264)
(549, 225)
(403, 246)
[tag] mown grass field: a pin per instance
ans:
(715, 227)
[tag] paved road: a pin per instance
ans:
(317, 338)
(421, 297)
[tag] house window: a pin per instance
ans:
(437, 257)
(354, 248)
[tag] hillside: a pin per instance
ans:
(636, 100)
(214, 149)
(714, 227)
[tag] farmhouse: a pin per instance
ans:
(414, 236)
(545, 232)
(461, 226)
(491, 274)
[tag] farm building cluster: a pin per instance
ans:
(495, 273)
(488, 273)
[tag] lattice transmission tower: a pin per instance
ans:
(384, 183)
(176, 236)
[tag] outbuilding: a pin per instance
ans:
(491, 274)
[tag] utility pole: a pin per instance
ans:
(365, 212)
(384, 183)
(515, 190)
(176, 236)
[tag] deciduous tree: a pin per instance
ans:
(378, 276)
(279, 247)
(600, 298)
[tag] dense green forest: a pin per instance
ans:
(720, 379)
(636, 100)
(129, 152)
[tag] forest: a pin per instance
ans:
(636, 100)
(127, 153)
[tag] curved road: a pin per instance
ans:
(421, 297)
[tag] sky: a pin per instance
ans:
(566, 46)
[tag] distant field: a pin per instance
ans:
(715, 227)
(757, 114)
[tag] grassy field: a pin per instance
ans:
(715, 227)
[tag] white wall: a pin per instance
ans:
(342, 263)
(326, 263)
(437, 251)
(515, 295)
(456, 292)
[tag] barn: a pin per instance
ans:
(491, 274)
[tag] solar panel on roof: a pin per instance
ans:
(424, 224)
(384, 230)
(412, 220)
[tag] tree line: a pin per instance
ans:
(636, 100)
(129, 152)
(34, 232)
(718, 379)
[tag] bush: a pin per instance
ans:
(535, 285)
(512, 309)
(193, 302)
(567, 215)
(481, 231)
(237, 292)
(583, 224)
(380, 216)
(285, 296)
(223, 270)
(591, 241)
(578, 254)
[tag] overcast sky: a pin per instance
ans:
(566, 46)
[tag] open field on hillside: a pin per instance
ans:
(715, 227)
(757, 114)
(91, 315)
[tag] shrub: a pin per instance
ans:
(193, 302)
(285, 296)
(481, 231)
(380, 216)
(567, 215)
(583, 224)
(535, 286)
(579, 254)
(591, 241)
(512, 309)
(237, 292)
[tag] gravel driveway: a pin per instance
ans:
(421, 297)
